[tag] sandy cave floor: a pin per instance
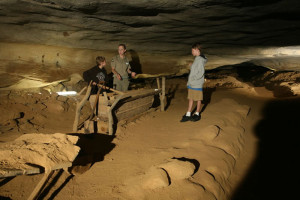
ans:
(128, 165)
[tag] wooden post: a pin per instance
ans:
(105, 97)
(163, 94)
(79, 107)
(110, 116)
(40, 186)
(94, 111)
(158, 84)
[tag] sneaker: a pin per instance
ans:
(185, 118)
(195, 118)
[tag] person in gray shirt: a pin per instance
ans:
(195, 84)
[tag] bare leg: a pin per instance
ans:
(187, 116)
(196, 116)
(198, 106)
(190, 105)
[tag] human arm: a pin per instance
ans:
(114, 71)
(133, 74)
(113, 68)
(196, 75)
(129, 71)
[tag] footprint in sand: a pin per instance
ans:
(160, 176)
(179, 169)
(208, 133)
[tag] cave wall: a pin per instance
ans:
(65, 36)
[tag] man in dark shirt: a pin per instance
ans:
(96, 74)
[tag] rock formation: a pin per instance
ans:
(51, 39)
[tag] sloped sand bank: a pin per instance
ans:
(157, 157)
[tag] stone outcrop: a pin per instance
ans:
(51, 39)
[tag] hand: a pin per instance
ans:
(133, 74)
(94, 83)
(119, 77)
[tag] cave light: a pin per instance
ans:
(67, 93)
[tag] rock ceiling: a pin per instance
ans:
(155, 25)
(232, 31)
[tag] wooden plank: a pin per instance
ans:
(108, 88)
(110, 116)
(133, 93)
(79, 107)
(11, 172)
(134, 103)
(129, 101)
(132, 112)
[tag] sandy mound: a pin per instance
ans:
(201, 163)
(154, 156)
(50, 152)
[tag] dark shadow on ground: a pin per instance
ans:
(53, 195)
(5, 180)
(93, 148)
(275, 172)
(53, 182)
(170, 94)
(5, 198)
(207, 93)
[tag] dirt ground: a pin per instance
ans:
(242, 148)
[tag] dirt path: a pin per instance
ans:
(149, 141)
(129, 165)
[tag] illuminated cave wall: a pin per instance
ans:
(50, 40)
